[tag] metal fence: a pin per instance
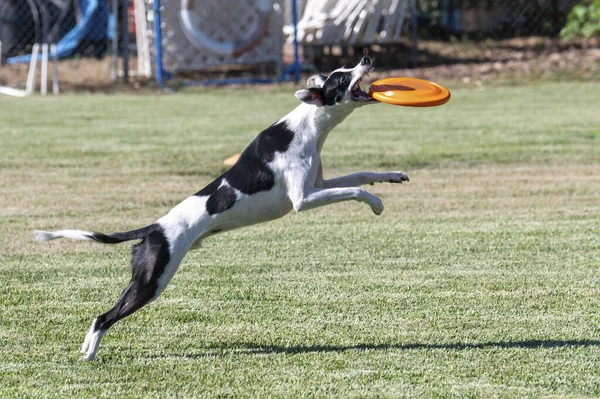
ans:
(85, 31)
(75, 30)
(437, 20)
(82, 27)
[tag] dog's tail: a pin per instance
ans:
(113, 238)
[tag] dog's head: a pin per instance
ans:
(340, 89)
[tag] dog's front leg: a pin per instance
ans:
(362, 178)
(316, 197)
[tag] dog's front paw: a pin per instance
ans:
(397, 177)
(374, 201)
(376, 205)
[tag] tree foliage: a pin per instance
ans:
(583, 21)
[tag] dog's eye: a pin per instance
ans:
(344, 79)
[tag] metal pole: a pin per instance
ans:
(158, 43)
(125, 30)
(296, 46)
(115, 41)
(44, 77)
(54, 55)
(30, 88)
(451, 16)
(413, 18)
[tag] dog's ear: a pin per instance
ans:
(314, 96)
(316, 81)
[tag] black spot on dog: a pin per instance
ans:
(211, 188)
(251, 173)
(221, 200)
(335, 86)
(148, 262)
(150, 257)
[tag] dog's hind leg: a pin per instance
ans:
(152, 266)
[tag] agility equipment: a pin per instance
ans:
(219, 35)
(354, 22)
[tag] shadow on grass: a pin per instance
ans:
(226, 349)
(529, 344)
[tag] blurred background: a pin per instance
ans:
(106, 45)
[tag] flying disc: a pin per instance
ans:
(409, 92)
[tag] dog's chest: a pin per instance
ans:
(259, 207)
(299, 165)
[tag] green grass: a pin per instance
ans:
(480, 279)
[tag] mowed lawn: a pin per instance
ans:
(480, 279)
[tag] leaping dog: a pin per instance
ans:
(279, 171)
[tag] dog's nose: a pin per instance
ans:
(365, 61)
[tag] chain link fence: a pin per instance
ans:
(25, 22)
(76, 32)
(449, 21)
(84, 32)
(496, 19)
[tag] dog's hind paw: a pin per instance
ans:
(87, 358)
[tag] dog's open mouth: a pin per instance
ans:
(358, 94)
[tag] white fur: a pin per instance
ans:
(41, 235)
(93, 342)
(86, 342)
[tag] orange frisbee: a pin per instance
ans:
(409, 92)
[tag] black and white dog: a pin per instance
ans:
(279, 171)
